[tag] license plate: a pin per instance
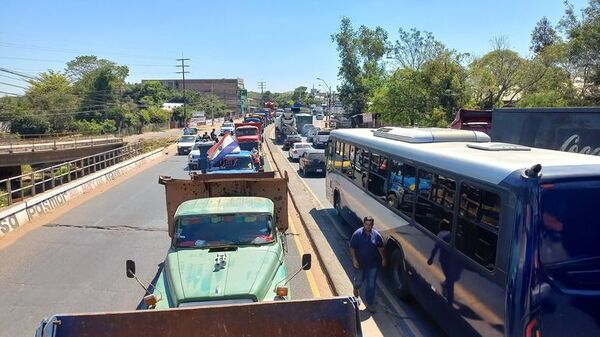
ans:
(319, 170)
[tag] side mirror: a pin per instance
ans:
(306, 261)
(130, 268)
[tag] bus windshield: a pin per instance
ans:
(211, 230)
(570, 225)
(246, 132)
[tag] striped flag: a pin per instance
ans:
(224, 147)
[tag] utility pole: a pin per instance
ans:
(183, 72)
(262, 85)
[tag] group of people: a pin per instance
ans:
(212, 137)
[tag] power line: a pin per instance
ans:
(183, 72)
(14, 78)
(8, 93)
(14, 85)
(17, 73)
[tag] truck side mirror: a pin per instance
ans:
(130, 268)
(306, 261)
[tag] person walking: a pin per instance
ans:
(366, 248)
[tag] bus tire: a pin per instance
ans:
(398, 274)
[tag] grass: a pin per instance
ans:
(156, 143)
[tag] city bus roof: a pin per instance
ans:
(477, 160)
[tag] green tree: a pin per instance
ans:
(543, 35)
(415, 47)
(361, 70)
(29, 124)
(51, 95)
(300, 94)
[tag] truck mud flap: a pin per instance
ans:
(333, 317)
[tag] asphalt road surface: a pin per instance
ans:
(76, 263)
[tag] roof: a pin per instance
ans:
(242, 153)
(490, 166)
(225, 205)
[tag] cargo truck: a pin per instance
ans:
(224, 274)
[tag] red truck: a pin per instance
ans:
(249, 137)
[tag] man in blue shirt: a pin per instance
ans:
(366, 247)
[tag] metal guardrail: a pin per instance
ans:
(53, 144)
(18, 188)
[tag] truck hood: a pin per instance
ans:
(248, 273)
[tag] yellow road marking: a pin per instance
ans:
(309, 275)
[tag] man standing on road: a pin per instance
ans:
(366, 247)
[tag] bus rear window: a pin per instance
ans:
(570, 223)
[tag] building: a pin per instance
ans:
(231, 91)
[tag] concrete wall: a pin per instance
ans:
(20, 214)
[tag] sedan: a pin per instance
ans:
(298, 149)
(289, 140)
(313, 161)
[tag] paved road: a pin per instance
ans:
(77, 262)
(408, 318)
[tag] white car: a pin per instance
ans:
(227, 126)
(185, 144)
(298, 149)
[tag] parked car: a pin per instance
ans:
(310, 135)
(321, 138)
(198, 154)
(312, 161)
(291, 139)
(297, 150)
(185, 144)
(306, 128)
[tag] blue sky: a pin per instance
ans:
(284, 43)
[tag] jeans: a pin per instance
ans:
(370, 276)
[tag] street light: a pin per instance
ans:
(328, 101)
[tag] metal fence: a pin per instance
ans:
(56, 143)
(17, 189)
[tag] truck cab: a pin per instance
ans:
(242, 162)
(224, 250)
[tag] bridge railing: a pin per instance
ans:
(56, 143)
(18, 188)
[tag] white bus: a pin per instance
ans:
(492, 239)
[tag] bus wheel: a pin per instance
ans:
(392, 200)
(399, 275)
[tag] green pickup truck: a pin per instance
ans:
(227, 241)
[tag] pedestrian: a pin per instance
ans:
(366, 248)
(213, 136)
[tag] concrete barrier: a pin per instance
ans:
(20, 214)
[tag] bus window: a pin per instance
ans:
(378, 175)
(361, 167)
(402, 186)
(330, 152)
(478, 222)
(346, 166)
(435, 202)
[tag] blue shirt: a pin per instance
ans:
(366, 247)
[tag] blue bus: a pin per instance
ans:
(492, 239)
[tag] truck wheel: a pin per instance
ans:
(398, 274)
(392, 201)
(336, 203)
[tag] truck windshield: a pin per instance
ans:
(246, 132)
(187, 139)
(233, 163)
(205, 231)
(249, 146)
(570, 222)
